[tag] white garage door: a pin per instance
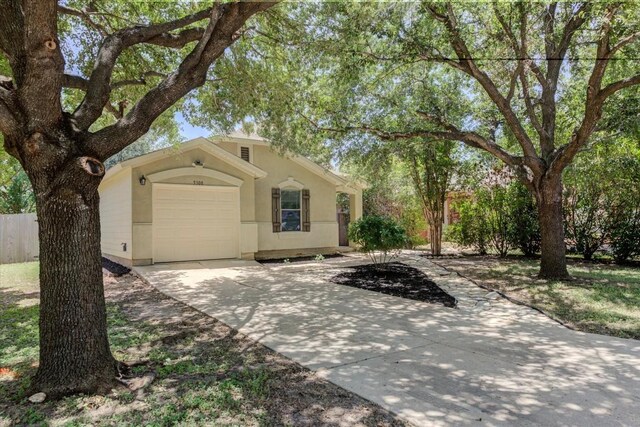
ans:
(193, 222)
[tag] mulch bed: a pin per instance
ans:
(114, 268)
(395, 279)
(296, 259)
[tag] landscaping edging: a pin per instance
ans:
(507, 297)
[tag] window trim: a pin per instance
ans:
(282, 210)
(291, 183)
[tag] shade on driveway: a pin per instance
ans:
(488, 362)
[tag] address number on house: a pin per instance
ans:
(197, 182)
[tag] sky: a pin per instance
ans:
(188, 131)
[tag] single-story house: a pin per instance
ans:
(225, 197)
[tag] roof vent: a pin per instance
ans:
(244, 154)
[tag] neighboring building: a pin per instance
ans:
(451, 215)
(228, 197)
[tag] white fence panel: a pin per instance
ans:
(18, 238)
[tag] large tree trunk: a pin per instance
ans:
(553, 264)
(74, 347)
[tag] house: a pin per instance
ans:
(224, 197)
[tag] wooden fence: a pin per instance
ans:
(18, 238)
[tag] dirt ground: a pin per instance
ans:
(205, 374)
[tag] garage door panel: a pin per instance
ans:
(195, 222)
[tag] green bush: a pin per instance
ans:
(378, 234)
(625, 232)
(525, 227)
(471, 229)
(602, 203)
(499, 217)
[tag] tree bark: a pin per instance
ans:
(435, 236)
(74, 346)
(553, 263)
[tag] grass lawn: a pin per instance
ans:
(206, 373)
(603, 299)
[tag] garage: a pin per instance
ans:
(195, 222)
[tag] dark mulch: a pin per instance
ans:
(297, 259)
(395, 279)
(114, 268)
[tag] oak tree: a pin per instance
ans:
(78, 91)
(526, 82)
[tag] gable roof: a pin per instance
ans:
(311, 166)
(204, 144)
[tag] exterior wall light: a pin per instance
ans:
(143, 180)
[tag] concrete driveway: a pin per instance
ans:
(488, 362)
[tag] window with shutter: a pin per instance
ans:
(306, 210)
(275, 209)
(244, 154)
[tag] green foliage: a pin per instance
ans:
(501, 216)
(602, 201)
(625, 234)
(390, 193)
(16, 194)
(525, 227)
(494, 204)
(378, 234)
(472, 228)
(624, 228)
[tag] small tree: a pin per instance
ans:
(381, 238)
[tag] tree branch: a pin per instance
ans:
(225, 21)
(85, 17)
(11, 39)
(525, 63)
(77, 82)
(596, 96)
(614, 87)
(99, 83)
(39, 86)
(472, 139)
(624, 42)
(555, 57)
(9, 124)
(179, 40)
(471, 68)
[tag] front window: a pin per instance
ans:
(290, 208)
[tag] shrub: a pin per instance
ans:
(471, 229)
(625, 232)
(495, 205)
(586, 213)
(602, 203)
(525, 227)
(378, 234)
(500, 217)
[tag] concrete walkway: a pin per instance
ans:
(487, 362)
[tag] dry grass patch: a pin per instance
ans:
(206, 373)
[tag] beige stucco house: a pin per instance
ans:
(224, 197)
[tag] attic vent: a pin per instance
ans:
(244, 154)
